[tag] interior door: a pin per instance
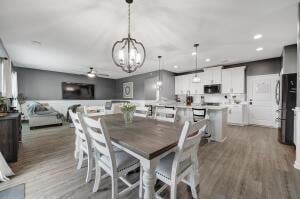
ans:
(261, 100)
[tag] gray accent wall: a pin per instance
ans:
(261, 67)
(46, 85)
(144, 85)
(289, 59)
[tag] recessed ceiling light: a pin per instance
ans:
(175, 66)
(259, 49)
(258, 36)
(207, 60)
(194, 53)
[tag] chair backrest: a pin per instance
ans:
(198, 113)
(165, 114)
(188, 143)
(94, 110)
(101, 141)
(80, 128)
(141, 111)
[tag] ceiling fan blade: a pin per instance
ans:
(102, 75)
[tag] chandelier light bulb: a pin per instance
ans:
(121, 56)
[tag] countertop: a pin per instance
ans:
(221, 107)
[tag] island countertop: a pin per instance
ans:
(182, 106)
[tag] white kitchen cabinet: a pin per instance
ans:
(233, 80)
(182, 84)
(213, 75)
(197, 88)
(236, 114)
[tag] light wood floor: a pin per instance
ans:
(249, 164)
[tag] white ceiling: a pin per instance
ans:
(76, 34)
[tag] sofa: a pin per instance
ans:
(40, 115)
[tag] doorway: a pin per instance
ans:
(261, 97)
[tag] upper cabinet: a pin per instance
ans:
(197, 88)
(184, 83)
(233, 80)
(213, 75)
(181, 84)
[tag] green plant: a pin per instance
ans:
(21, 99)
(3, 105)
(3, 100)
(128, 107)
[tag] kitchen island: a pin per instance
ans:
(217, 118)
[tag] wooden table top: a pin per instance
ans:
(146, 137)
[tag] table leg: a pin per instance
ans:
(149, 178)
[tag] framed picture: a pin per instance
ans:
(128, 90)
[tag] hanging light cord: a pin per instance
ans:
(159, 57)
(196, 46)
(129, 34)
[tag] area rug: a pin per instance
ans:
(16, 192)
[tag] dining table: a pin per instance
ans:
(146, 139)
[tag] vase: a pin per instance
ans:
(128, 117)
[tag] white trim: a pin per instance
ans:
(297, 136)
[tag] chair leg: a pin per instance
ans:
(89, 168)
(173, 194)
(193, 186)
(114, 190)
(76, 148)
(97, 179)
(80, 159)
(141, 183)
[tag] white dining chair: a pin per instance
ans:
(165, 114)
(141, 112)
(94, 110)
(83, 145)
(115, 162)
(181, 165)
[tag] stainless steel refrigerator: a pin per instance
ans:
(288, 103)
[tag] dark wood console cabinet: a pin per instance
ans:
(10, 135)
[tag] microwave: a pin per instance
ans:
(212, 89)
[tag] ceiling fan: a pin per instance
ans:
(92, 73)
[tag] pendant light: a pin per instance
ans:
(128, 54)
(159, 82)
(196, 78)
(91, 73)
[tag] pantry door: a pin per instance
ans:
(261, 100)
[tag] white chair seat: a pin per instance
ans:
(123, 160)
(164, 168)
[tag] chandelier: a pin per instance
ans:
(196, 78)
(128, 53)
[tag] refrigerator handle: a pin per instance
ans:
(277, 92)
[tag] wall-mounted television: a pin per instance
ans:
(78, 91)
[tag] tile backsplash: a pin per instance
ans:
(215, 98)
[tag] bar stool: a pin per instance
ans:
(200, 114)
